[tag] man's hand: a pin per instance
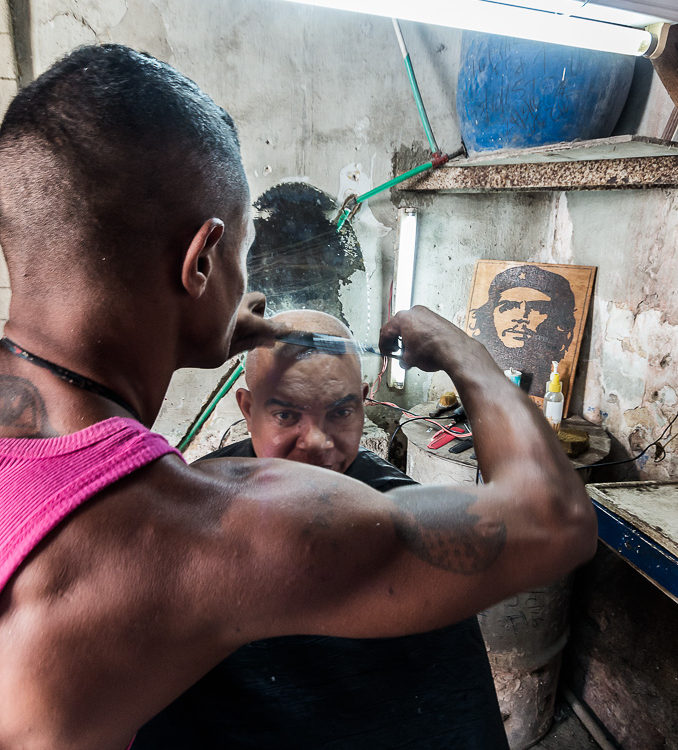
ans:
(431, 342)
(251, 329)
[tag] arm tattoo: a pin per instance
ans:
(446, 536)
(21, 407)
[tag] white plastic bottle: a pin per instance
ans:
(553, 399)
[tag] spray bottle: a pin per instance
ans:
(553, 399)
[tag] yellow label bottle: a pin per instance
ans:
(553, 399)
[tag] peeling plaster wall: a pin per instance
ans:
(627, 379)
(322, 95)
(632, 374)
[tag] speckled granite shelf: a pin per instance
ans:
(619, 162)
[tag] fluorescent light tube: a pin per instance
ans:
(403, 282)
(508, 20)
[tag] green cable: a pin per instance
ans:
(204, 415)
(420, 106)
(342, 219)
(385, 186)
(415, 88)
(437, 161)
(438, 158)
(394, 181)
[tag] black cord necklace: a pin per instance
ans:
(74, 378)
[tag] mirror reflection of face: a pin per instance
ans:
(518, 314)
(311, 412)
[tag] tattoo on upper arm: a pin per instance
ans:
(21, 407)
(462, 544)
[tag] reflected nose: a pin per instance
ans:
(314, 439)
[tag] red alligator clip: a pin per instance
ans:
(443, 437)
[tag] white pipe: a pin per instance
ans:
(587, 719)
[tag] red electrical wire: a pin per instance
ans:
(425, 419)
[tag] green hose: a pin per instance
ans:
(395, 181)
(204, 415)
(420, 106)
(386, 185)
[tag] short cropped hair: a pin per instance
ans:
(111, 145)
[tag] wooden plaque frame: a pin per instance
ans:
(540, 309)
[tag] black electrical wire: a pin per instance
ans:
(400, 426)
(397, 430)
(657, 443)
(228, 430)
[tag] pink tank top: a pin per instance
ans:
(42, 481)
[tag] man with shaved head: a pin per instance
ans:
(126, 575)
(304, 405)
(433, 690)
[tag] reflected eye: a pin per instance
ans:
(285, 418)
(342, 413)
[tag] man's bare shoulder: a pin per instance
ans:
(162, 574)
(157, 531)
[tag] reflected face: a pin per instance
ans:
(518, 314)
(310, 411)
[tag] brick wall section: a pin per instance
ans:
(8, 88)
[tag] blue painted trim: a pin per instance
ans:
(653, 559)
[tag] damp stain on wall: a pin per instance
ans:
(298, 258)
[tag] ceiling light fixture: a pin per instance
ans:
(509, 20)
(403, 282)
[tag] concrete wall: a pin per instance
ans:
(8, 88)
(322, 95)
(316, 95)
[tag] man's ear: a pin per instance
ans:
(197, 264)
(366, 390)
(244, 399)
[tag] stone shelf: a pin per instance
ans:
(615, 163)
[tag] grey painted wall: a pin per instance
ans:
(322, 95)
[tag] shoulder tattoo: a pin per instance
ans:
(22, 408)
(464, 543)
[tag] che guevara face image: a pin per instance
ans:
(527, 322)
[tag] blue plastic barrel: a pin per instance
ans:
(514, 93)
